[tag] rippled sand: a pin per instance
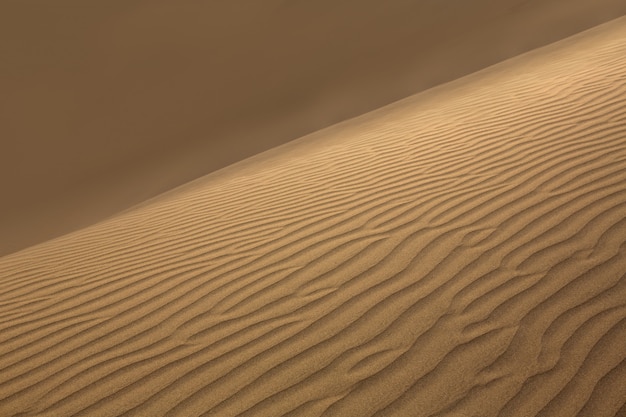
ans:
(459, 253)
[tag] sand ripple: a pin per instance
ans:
(459, 253)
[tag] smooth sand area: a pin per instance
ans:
(105, 103)
(461, 252)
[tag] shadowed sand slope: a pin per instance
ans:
(106, 103)
(459, 253)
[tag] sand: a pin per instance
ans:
(461, 252)
(107, 103)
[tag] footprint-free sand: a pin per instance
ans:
(461, 252)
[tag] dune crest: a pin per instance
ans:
(459, 253)
(108, 103)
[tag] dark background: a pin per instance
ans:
(106, 103)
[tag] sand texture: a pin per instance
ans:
(459, 253)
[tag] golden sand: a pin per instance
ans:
(459, 253)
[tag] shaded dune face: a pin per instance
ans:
(459, 253)
(109, 103)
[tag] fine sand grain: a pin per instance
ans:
(459, 253)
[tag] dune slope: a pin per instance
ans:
(459, 253)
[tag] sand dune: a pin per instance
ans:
(459, 253)
(107, 103)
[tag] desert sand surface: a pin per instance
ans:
(461, 252)
(105, 103)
